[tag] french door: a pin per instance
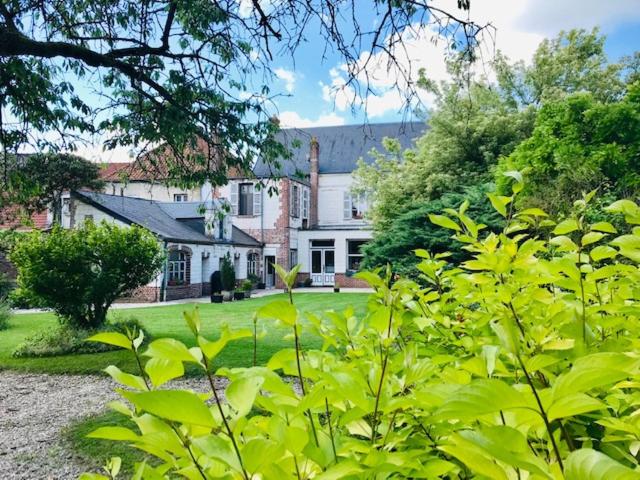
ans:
(323, 266)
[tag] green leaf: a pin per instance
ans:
(112, 338)
(499, 202)
(591, 237)
(279, 310)
(126, 379)
(344, 469)
(602, 252)
(161, 370)
(170, 349)
(242, 393)
(566, 226)
(588, 464)
(481, 397)
(533, 212)
(177, 405)
(193, 320)
(115, 433)
(605, 227)
(212, 349)
(444, 222)
(572, 405)
(258, 452)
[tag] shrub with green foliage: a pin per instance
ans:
(227, 273)
(67, 340)
(80, 272)
(412, 230)
(579, 144)
(5, 315)
(522, 362)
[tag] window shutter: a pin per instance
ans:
(234, 198)
(305, 203)
(257, 200)
(291, 199)
(346, 205)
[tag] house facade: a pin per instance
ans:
(302, 212)
(313, 218)
(195, 235)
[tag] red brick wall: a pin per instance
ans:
(280, 234)
(148, 294)
(343, 280)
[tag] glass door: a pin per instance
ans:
(322, 266)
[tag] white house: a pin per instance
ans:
(196, 236)
(314, 219)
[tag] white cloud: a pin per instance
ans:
(95, 153)
(290, 119)
(520, 27)
(288, 77)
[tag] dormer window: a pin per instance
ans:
(180, 197)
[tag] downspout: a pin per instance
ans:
(163, 287)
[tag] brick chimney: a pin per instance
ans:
(314, 159)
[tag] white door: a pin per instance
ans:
(322, 266)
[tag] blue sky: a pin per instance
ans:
(311, 86)
(520, 26)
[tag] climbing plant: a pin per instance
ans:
(519, 363)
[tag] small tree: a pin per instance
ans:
(227, 273)
(79, 273)
(37, 182)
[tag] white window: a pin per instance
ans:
(180, 197)
(295, 201)
(246, 199)
(354, 206)
(252, 264)
(293, 257)
(305, 203)
(354, 254)
(177, 268)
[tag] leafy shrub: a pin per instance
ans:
(246, 286)
(412, 230)
(227, 273)
(66, 340)
(6, 285)
(5, 315)
(80, 272)
(522, 362)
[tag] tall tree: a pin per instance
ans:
(37, 182)
(579, 144)
(180, 72)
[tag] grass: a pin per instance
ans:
(95, 452)
(167, 321)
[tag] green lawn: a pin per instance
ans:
(167, 321)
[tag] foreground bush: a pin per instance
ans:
(5, 315)
(80, 272)
(520, 363)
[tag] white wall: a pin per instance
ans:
(151, 191)
(331, 190)
(340, 238)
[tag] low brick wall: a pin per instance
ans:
(178, 292)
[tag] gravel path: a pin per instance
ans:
(35, 408)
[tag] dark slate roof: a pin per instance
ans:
(146, 213)
(340, 147)
(240, 237)
(172, 221)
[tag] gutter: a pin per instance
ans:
(163, 287)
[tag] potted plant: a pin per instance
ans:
(308, 282)
(217, 297)
(336, 287)
(246, 287)
(227, 277)
(238, 295)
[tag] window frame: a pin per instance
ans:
(359, 255)
(177, 268)
(180, 197)
(295, 201)
(251, 262)
(248, 199)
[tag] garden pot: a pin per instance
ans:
(228, 296)
(336, 289)
(261, 285)
(216, 298)
(247, 294)
(238, 295)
